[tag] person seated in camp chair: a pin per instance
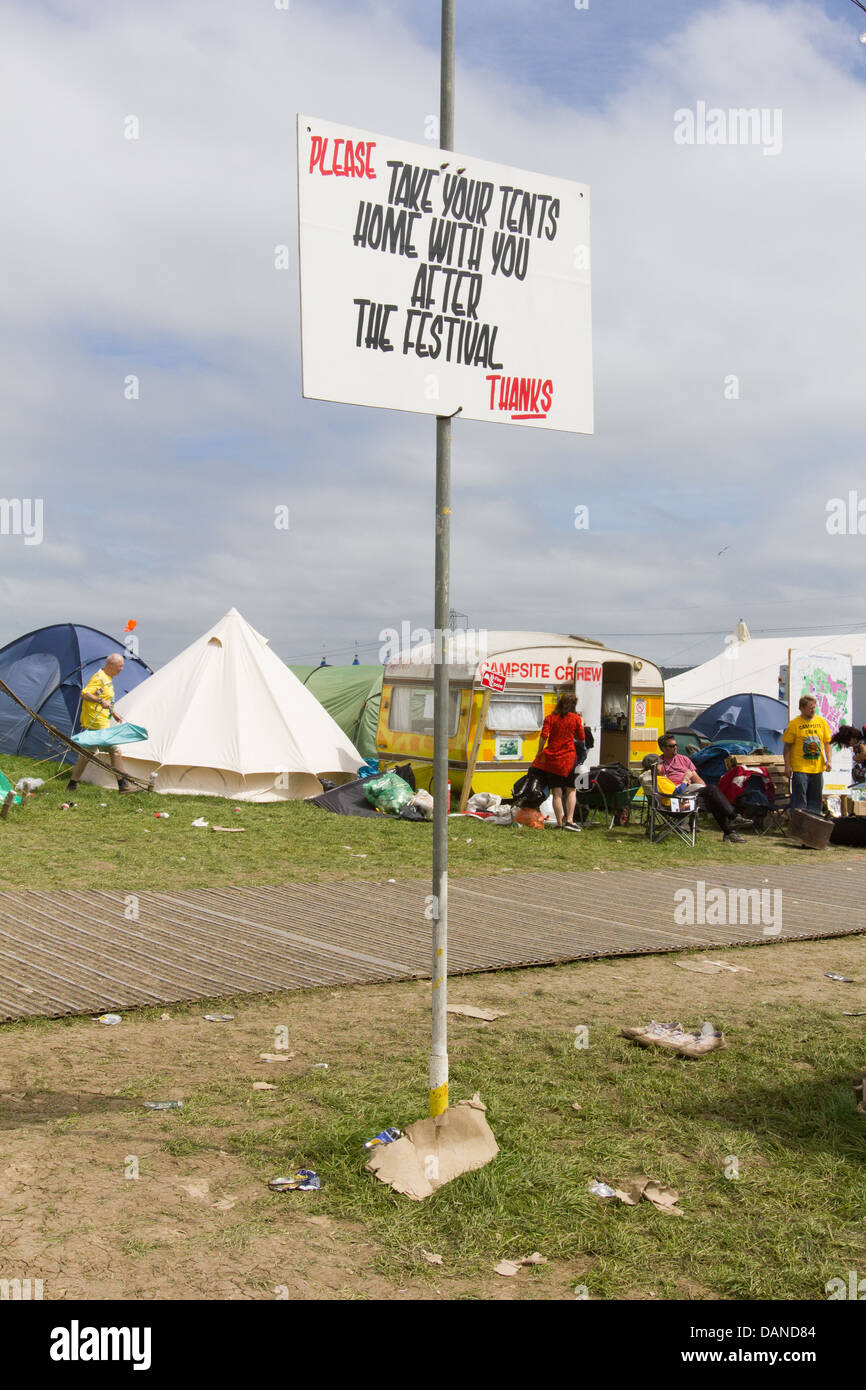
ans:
(750, 791)
(680, 769)
(97, 712)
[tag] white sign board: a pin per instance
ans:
(829, 676)
(437, 282)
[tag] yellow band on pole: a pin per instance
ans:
(439, 1099)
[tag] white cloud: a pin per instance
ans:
(155, 257)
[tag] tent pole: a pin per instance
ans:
(438, 1080)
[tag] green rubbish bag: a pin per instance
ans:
(388, 792)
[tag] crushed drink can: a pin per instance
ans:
(385, 1136)
(305, 1180)
(163, 1105)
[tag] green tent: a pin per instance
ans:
(351, 695)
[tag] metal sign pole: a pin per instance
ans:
(439, 1049)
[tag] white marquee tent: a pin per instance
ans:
(747, 666)
(227, 718)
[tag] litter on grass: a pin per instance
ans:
(275, 1056)
(675, 1038)
(264, 1086)
(219, 1018)
(230, 829)
(385, 1136)
(662, 1198)
(704, 966)
(163, 1105)
(431, 1258)
(304, 1180)
(511, 1267)
(108, 1019)
(200, 823)
(435, 1150)
(843, 979)
(602, 1189)
(470, 1011)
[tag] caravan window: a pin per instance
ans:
(512, 714)
(411, 710)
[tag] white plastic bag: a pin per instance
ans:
(423, 802)
(484, 801)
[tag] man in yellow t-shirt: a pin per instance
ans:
(807, 756)
(97, 712)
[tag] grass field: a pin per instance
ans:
(761, 1140)
(115, 841)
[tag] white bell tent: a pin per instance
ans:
(227, 718)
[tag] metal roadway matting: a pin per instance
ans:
(86, 952)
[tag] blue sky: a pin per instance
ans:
(155, 258)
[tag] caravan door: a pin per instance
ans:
(587, 688)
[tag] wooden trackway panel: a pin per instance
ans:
(88, 952)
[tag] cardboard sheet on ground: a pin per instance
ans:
(705, 966)
(470, 1011)
(663, 1198)
(675, 1038)
(433, 1151)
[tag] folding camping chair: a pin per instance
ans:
(670, 815)
(764, 815)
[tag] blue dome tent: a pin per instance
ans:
(47, 670)
(747, 718)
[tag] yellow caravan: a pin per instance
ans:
(620, 696)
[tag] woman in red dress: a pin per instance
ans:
(556, 757)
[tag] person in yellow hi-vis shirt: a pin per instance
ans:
(806, 746)
(97, 712)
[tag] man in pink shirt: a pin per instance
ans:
(681, 769)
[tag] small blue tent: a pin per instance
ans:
(47, 670)
(750, 718)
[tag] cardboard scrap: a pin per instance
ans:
(430, 1258)
(275, 1056)
(470, 1011)
(663, 1198)
(264, 1086)
(511, 1267)
(673, 1037)
(702, 965)
(433, 1151)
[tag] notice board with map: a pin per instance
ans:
(829, 676)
